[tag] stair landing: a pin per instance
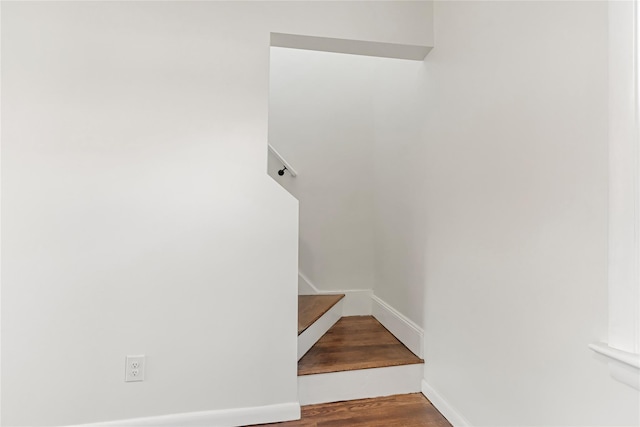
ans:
(355, 342)
(312, 307)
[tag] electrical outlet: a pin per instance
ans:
(134, 369)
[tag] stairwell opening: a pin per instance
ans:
(349, 127)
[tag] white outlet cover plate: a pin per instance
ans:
(134, 369)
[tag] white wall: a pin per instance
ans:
(320, 121)
(516, 254)
(136, 214)
(400, 205)
(351, 128)
(624, 173)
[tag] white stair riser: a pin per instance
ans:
(313, 333)
(359, 384)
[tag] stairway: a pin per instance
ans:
(347, 358)
(316, 314)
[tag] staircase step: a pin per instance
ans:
(359, 384)
(356, 342)
(357, 359)
(316, 314)
(312, 307)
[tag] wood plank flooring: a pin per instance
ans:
(312, 307)
(355, 342)
(405, 410)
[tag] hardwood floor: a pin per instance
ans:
(355, 342)
(405, 410)
(312, 307)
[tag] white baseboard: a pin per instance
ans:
(218, 418)
(359, 384)
(305, 287)
(313, 333)
(357, 302)
(454, 417)
(410, 334)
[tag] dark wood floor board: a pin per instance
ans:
(312, 307)
(355, 342)
(405, 410)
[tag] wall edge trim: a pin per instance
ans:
(444, 407)
(215, 418)
(357, 302)
(403, 328)
(351, 46)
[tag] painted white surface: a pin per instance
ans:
(624, 186)
(410, 334)
(627, 358)
(449, 412)
(516, 255)
(313, 333)
(356, 302)
(623, 366)
(221, 418)
(359, 384)
(136, 214)
(320, 121)
(356, 47)
(289, 169)
(399, 201)
(353, 127)
(304, 287)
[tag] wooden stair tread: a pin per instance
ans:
(356, 342)
(312, 307)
